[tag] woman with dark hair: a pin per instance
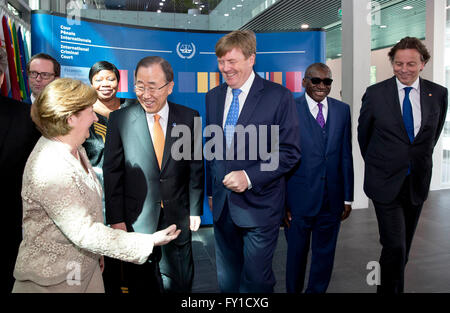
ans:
(105, 77)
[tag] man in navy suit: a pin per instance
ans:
(320, 188)
(400, 122)
(247, 189)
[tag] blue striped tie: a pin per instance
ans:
(232, 117)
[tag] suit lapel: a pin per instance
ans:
(169, 140)
(312, 126)
(424, 106)
(394, 104)
(251, 101)
(142, 134)
(332, 115)
(222, 94)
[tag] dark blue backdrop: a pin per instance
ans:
(78, 44)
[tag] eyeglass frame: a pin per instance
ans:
(31, 73)
(320, 80)
(150, 89)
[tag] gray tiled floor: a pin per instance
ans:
(428, 269)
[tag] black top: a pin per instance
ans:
(95, 144)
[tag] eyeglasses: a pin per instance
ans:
(140, 89)
(44, 75)
(317, 81)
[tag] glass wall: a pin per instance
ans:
(446, 132)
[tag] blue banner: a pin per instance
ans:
(78, 44)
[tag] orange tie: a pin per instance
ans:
(158, 139)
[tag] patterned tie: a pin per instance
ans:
(408, 115)
(232, 117)
(320, 119)
(158, 139)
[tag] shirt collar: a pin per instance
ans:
(415, 85)
(313, 104)
(245, 88)
(163, 113)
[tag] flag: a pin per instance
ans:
(23, 63)
(14, 91)
(18, 63)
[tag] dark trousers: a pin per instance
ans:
(177, 262)
(323, 229)
(145, 278)
(397, 222)
(244, 256)
(114, 276)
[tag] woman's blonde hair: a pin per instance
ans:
(57, 102)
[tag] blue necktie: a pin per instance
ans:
(232, 117)
(408, 115)
(408, 119)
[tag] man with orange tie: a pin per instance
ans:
(145, 187)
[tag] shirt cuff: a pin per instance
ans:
(248, 181)
(348, 202)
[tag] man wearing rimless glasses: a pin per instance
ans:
(320, 187)
(145, 186)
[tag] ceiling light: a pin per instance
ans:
(158, 11)
(408, 7)
(161, 3)
(226, 14)
(239, 5)
(304, 26)
(233, 8)
(383, 26)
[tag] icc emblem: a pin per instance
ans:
(186, 51)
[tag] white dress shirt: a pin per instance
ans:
(314, 109)
(245, 89)
(164, 117)
(414, 97)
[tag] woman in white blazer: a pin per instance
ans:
(64, 235)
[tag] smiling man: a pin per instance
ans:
(320, 189)
(399, 124)
(248, 203)
(145, 187)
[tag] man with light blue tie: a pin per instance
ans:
(399, 124)
(320, 188)
(246, 197)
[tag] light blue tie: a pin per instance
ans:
(408, 119)
(232, 117)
